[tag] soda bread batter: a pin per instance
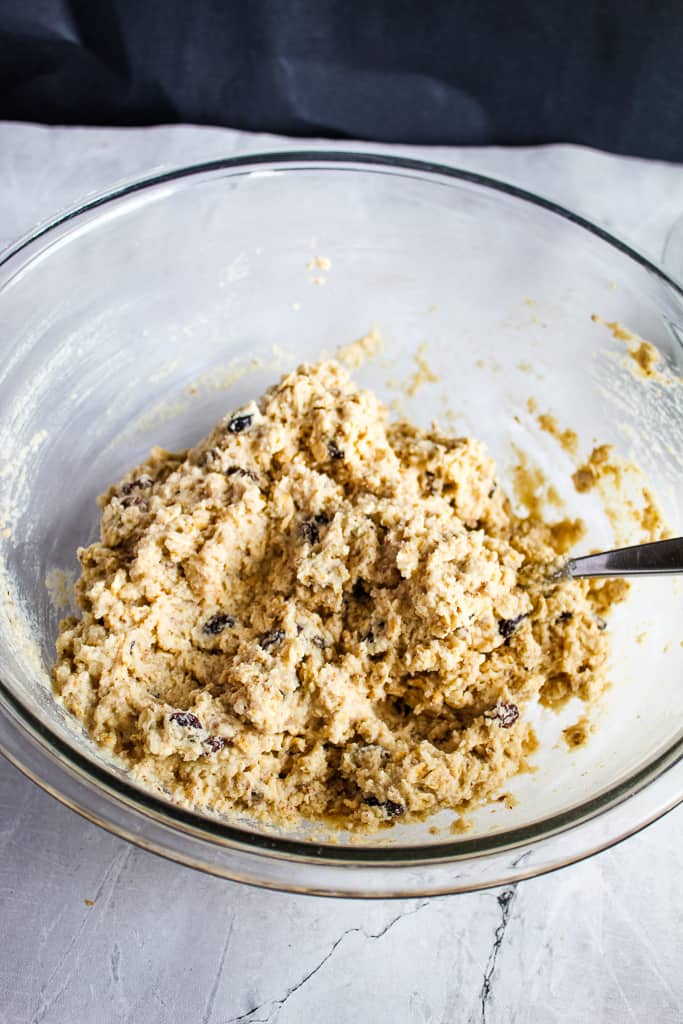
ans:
(318, 613)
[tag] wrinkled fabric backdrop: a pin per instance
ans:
(604, 73)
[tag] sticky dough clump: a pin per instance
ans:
(318, 613)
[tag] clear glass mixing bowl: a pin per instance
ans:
(143, 316)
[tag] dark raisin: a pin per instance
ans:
(239, 471)
(136, 500)
(506, 627)
(240, 423)
(390, 807)
(334, 451)
(319, 641)
(309, 531)
(136, 485)
(564, 617)
(322, 519)
(359, 592)
(214, 743)
(429, 482)
(505, 714)
(600, 622)
(217, 623)
(272, 639)
(401, 706)
(186, 719)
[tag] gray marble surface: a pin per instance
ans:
(94, 930)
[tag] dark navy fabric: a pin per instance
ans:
(607, 73)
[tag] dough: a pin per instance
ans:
(318, 613)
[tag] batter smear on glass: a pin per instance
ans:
(319, 613)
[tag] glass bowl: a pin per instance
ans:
(146, 314)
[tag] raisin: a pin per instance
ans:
(322, 519)
(359, 591)
(600, 622)
(390, 807)
(505, 714)
(135, 499)
(319, 641)
(214, 743)
(564, 617)
(334, 451)
(135, 485)
(272, 639)
(217, 623)
(238, 424)
(239, 471)
(186, 719)
(430, 485)
(309, 531)
(506, 627)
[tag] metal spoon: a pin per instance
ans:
(661, 558)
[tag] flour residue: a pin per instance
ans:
(319, 263)
(424, 374)
(578, 734)
(629, 504)
(644, 359)
(315, 264)
(531, 487)
(568, 438)
(60, 586)
(363, 349)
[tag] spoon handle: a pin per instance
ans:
(657, 559)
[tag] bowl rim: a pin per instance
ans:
(341, 158)
(213, 830)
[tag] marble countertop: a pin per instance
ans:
(94, 929)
